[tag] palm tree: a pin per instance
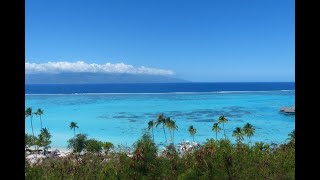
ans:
(39, 112)
(248, 130)
(73, 125)
(44, 139)
(192, 131)
(216, 128)
(223, 120)
(238, 133)
(292, 136)
(162, 120)
(168, 125)
(150, 126)
(172, 127)
(28, 112)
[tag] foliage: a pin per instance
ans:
(162, 119)
(223, 120)
(248, 130)
(28, 113)
(144, 156)
(192, 131)
(30, 140)
(73, 125)
(172, 126)
(77, 144)
(107, 146)
(238, 133)
(39, 112)
(150, 126)
(44, 138)
(292, 137)
(93, 146)
(216, 128)
(216, 159)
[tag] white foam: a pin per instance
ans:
(209, 92)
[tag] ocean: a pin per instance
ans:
(120, 112)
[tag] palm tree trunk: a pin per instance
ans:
(164, 131)
(152, 134)
(33, 134)
(31, 126)
(74, 132)
(173, 137)
(193, 138)
(41, 121)
(224, 131)
(216, 135)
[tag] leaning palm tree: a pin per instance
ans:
(73, 125)
(192, 131)
(216, 128)
(39, 112)
(167, 123)
(172, 127)
(223, 120)
(238, 133)
(150, 126)
(162, 120)
(248, 130)
(28, 112)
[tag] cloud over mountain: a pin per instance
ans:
(81, 66)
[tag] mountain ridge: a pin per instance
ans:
(97, 78)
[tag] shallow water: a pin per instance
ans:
(121, 118)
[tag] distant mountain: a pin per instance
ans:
(97, 78)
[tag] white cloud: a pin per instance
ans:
(80, 66)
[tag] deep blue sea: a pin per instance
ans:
(120, 112)
(154, 87)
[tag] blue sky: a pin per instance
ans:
(204, 41)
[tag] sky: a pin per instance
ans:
(196, 40)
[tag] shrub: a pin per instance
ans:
(107, 146)
(144, 156)
(30, 140)
(77, 144)
(93, 146)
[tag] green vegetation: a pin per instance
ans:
(292, 136)
(192, 131)
(223, 120)
(77, 143)
(150, 126)
(162, 120)
(248, 131)
(172, 127)
(214, 159)
(44, 139)
(73, 125)
(28, 113)
(93, 146)
(30, 140)
(216, 128)
(107, 146)
(39, 112)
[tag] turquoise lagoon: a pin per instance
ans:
(122, 118)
